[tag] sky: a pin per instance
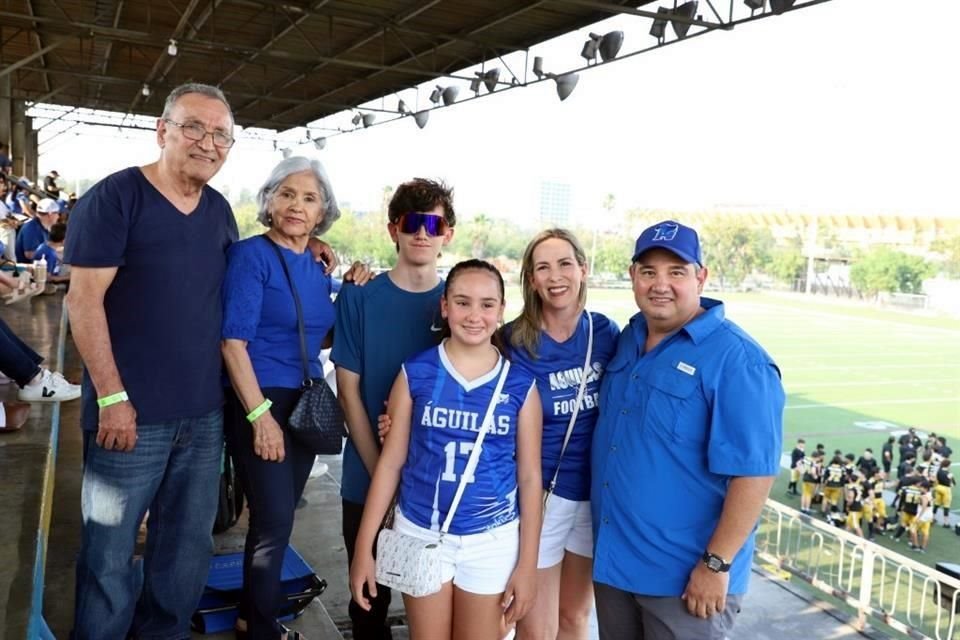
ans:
(849, 106)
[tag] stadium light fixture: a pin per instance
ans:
(779, 6)
(754, 4)
(450, 95)
(369, 119)
(610, 45)
(320, 143)
(436, 94)
(659, 27)
(286, 152)
(356, 119)
(172, 48)
(421, 118)
(686, 10)
(490, 78)
(475, 83)
(590, 46)
(402, 107)
(538, 67)
(145, 91)
(566, 84)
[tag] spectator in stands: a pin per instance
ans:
(5, 164)
(262, 353)
(688, 397)
(796, 456)
(51, 251)
(50, 185)
(886, 455)
(147, 324)
(37, 231)
(21, 364)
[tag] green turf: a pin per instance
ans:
(854, 375)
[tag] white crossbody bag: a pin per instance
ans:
(411, 565)
(576, 409)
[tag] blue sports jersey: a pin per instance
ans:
(558, 369)
(447, 413)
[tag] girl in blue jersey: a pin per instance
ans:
(550, 337)
(436, 407)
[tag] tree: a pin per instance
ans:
(731, 250)
(949, 248)
(883, 269)
(787, 263)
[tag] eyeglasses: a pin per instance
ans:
(411, 223)
(196, 132)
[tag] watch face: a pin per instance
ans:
(714, 563)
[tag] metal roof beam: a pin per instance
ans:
(7, 70)
(616, 8)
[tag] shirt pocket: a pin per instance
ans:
(674, 408)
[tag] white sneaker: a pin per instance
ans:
(52, 387)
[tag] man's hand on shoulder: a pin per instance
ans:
(706, 591)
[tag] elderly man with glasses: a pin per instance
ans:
(36, 231)
(147, 250)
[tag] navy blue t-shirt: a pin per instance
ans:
(29, 237)
(163, 307)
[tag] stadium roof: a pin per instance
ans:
(283, 63)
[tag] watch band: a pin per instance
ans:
(715, 563)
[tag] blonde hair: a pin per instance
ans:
(525, 330)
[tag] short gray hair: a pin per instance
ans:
(286, 168)
(207, 90)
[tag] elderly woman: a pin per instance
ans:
(261, 349)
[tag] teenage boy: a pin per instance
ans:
(51, 250)
(379, 326)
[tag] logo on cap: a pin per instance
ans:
(665, 232)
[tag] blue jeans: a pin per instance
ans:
(173, 471)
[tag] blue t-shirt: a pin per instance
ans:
(258, 307)
(31, 235)
(558, 369)
(676, 425)
(163, 307)
(379, 326)
(53, 260)
(447, 414)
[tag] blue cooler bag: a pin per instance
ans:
(217, 611)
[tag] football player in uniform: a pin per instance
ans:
(943, 491)
(908, 497)
(834, 479)
(920, 528)
(795, 472)
(854, 501)
(437, 406)
(812, 474)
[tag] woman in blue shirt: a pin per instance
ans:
(261, 350)
(550, 338)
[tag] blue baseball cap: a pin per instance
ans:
(672, 236)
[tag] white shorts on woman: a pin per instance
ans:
(567, 526)
(480, 563)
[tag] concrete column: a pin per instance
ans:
(30, 153)
(6, 111)
(18, 143)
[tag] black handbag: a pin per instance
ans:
(317, 421)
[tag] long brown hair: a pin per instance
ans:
(476, 265)
(525, 330)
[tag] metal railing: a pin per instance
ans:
(880, 585)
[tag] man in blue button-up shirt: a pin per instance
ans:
(684, 453)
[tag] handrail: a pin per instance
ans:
(877, 583)
(37, 626)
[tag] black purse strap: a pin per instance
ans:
(307, 380)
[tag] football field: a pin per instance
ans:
(854, 375)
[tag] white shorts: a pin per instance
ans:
(480, 563)
(567, 526)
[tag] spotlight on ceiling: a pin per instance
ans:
(610, 45)
(145, 91)
(490, 78)
(659, 27)
(589, 51)
(369, 119)
(566, 84)
(538, 67)
(435, 95)
(421, 118)
(285, 152)
(320, 143)
(686, 10)
(450, 95)
(402, 107)
(356, 119)
(779, 6)
(475, 83)
(172, 48)
(754, 4)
